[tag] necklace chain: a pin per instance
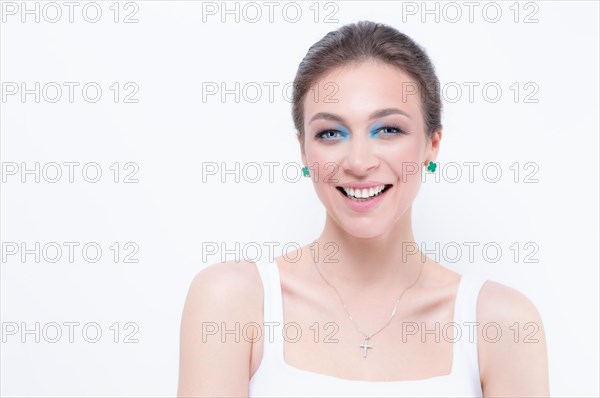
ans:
(369, 336)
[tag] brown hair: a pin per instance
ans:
(363, 41)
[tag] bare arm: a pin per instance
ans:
(516, 365)
(214, 363)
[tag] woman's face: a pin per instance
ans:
(364, 130)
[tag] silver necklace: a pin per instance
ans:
(365, 346)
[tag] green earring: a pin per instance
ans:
(305, 171)
(432, 166)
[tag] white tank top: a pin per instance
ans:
(275, 378)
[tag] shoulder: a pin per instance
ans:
(503, 304)
(512, 342)
(222, 298)
(230, 275)
(227, 284)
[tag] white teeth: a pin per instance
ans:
(364, 193)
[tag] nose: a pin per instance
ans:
(360, 159)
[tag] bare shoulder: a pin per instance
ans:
(512, 343)
(214, 353)
(227, 281)
(499, 302)
(229, 292)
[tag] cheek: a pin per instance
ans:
(323, 162)
(407, 150)
(404, 158)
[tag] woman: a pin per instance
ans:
(369, 318)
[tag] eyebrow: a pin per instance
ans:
(374, 115)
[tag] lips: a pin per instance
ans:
(362, 192)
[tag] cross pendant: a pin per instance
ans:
(365, 346)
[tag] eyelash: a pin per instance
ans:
(321, 133)
(400, 130)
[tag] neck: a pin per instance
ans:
(390, 259)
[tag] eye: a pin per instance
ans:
(389, 130)
(329, 135)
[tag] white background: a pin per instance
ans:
(171, 132)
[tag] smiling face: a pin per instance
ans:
(365, 145)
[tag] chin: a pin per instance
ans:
(364, 225)
(363, 229)
(364, 234)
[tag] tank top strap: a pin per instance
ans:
(273, 310)
(466, 325)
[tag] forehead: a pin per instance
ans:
(356, 90)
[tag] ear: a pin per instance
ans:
(434, 145)
(302, 151)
